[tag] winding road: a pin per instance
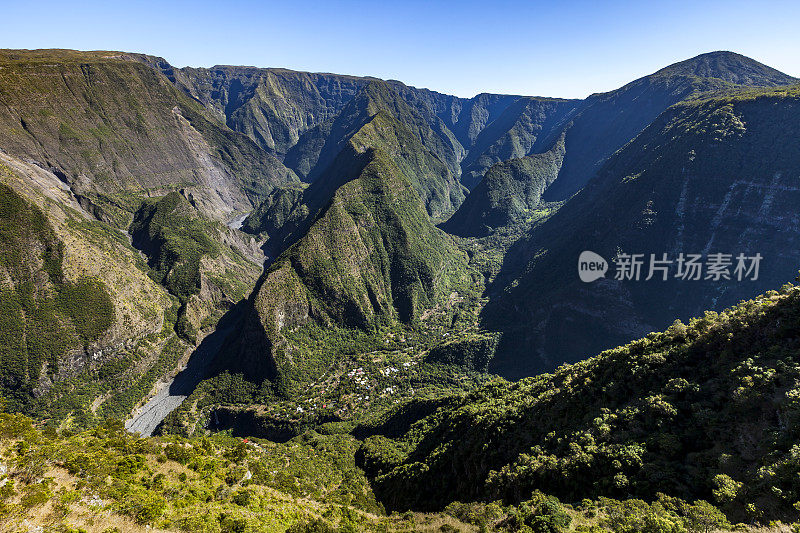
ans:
(168, 398)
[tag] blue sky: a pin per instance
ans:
(567, 49)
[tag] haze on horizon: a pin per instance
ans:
(464, 48)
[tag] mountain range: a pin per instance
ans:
(277, 254)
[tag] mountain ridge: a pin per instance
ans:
(309, 285)
(677, 186)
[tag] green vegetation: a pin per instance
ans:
(524, 128)
(113, 127)
(470, 353)
(371, 259)
(110, 389)
(339, 390)
(701, 411)
(43, 315)
(184, 249)
(274, 213)
(378, 117)
(606, 122)
(334, 373)
(362, 353)
(107, 480)
(693, 168)
(175, 239)
(106, 477)
(509, 193)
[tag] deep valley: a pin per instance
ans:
(257, 299)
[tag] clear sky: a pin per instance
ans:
(567, 48)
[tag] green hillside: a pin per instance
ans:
(313, 287)
(582, 135)
(43, 314)
(522, 129)
(370, 258)
(114, 128)
(189, 256)
(108, 480)
(605, 122)
(509, 193)
(697, 181)
(417, 146)
(704, 410)
(87, 137)
(386, 121)
(85, 332)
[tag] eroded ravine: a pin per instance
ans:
(147, 418)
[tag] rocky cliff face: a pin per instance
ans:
(293, 115)
(76, 299)
(113, 129)
(346, 178)
(271, 106)
(710, 176)
(524, 128)
(508, 194)
(435, 166)
(86, 139)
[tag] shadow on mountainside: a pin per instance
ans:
(200, 366)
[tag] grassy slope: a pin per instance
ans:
(86, 332)
(106, 479)
(189, 256)
(704, 410)
(371, 257)
(44, 315)
(414, 142)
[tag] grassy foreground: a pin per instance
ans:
(105, 480)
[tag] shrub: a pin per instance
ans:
(178, 453)
(725, 488)
(35, 495)
(541, 513)
(313, 526)
(143, 505)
